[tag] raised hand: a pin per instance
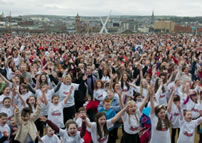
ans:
(39, 102)
(151, 91)
(43, 89)
(172, 90)
(38, 77)
(15, 90)
(85, 77)
(71, 89)
(43, 119)
(178, 106)
(5, 133)
(83, 117)
(135, 80)
(16, 108)
(119, 92)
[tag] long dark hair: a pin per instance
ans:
(122, 82)
(30, 106)
(22, 86)
(40, 79)
(99, 132)
(166, 121)
(156, 87)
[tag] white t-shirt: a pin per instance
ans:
(8, 111)
(5, 128)
(175, 116)
(79, 122)
(24, 97)
(3, 96)
(55, 113)
(50, 139)
(49, 94)
(100, 94)
(131, 124)
(68, 139)
(33, 108)
(161, 97)
(126, 93)
(195, 108)
(138, 90)
(156, 135)
(17, 60)
(94, 135)
(63, 91)
(155, 104)
(105, 78)
(183, 96)
(187, 130)
(10, 73)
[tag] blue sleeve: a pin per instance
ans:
(100, 107)
(116, 108)
(113, 113)
(116, 105)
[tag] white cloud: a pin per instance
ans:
(102, 7)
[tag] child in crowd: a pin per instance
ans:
(99, 91)
(6, 93)
(13, 128)
(26, 131)
(7, 107)
(127, 92)
(159, 120)
(55, 109)
(187, 128)
(130, 121)
(110, 113)
(4, 128)
(50, 136)
(71, 133)
(100, 129)
(21, 96)
(175, 111)
(79, 121)
(32, 103)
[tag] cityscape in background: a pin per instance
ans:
(115, 24)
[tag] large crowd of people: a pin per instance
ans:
(84, 88)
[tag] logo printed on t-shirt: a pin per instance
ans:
(195, 110)
(133, 129)
(66, 92)
(176, 114)
(188, 134)
(164, 129)
(100, 96)
(162, 96)
(56, 114)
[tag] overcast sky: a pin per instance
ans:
(102, 7)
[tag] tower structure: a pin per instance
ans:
(77, 23)
(152, 18)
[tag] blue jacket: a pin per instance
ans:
(109, 113)
(115, 105)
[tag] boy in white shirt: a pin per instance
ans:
(7, 107)
(50, 136)
(4, 128)
(188, 126)
(79, 122)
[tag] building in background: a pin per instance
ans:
(164, 26)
